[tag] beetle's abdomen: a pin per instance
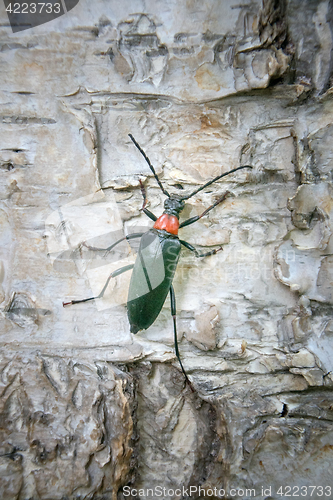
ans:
(151, 279)
(168, 222)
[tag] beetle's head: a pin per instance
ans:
(174, 205)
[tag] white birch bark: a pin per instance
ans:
(87, 409)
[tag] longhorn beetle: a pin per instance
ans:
(157, 259)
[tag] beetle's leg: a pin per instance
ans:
(144, 209)
(108, 249)
(173, 312)
(198, 254)
(197, 217)
(121, 270)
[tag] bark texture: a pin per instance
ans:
(87, 410)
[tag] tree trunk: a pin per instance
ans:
(89, 410)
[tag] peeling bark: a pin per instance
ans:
(87, 410)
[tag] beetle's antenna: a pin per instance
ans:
(214, 180)
(150, 165)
